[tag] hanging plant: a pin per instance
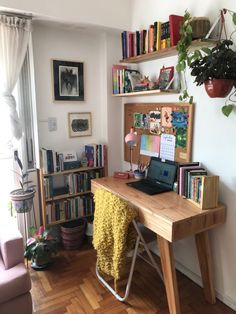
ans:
(183, 52)
(208, 64)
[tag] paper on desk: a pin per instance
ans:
(167, 150)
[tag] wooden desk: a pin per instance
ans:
(172, 218)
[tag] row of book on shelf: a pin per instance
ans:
(52, 161)
(158, 36)
(190, 178)
(72, 183)
(71, 208)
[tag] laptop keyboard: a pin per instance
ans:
(148, 187)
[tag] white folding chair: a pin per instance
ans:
(139, 242)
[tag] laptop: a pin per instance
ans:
(160, 177)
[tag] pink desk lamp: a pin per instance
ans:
(131, 140)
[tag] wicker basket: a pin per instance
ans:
(72, 234)
(200, 26)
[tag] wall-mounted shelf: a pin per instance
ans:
(168, 52)
(148, 92)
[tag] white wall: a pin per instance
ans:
(104, 13)
(98, 53)
(213, 145)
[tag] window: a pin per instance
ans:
(24, 96)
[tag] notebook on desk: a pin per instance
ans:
(160, 177)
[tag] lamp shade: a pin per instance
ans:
(131, 138)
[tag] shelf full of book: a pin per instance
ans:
(167, 52)
(65, 194)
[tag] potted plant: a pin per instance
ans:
(22, 198)
(40, 247)
(216, 69)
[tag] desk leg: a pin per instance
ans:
(168, 268)
(205, 262)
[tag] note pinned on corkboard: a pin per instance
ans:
(164, 130)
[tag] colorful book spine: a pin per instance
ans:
(175, 24)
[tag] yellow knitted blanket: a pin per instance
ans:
(113, 234)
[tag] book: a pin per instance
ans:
(151, 38)
(89, 153)
(158, 36)
(186, 177)
(190, 175)
(182, 177)
(184, 164)
(124, 45)
(175, 24)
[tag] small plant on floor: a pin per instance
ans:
(40, 247)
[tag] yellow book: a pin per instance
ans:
(158, 36)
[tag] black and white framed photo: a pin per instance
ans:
(80, 124)
(68, 80)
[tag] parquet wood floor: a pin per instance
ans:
(70, 286)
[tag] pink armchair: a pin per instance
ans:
(15, 281)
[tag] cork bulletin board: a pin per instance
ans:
(163, 130)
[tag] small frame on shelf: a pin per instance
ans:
(80, 124)
(165, 77)
(68, 80)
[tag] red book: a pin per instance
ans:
(131, 45)
(175, 23)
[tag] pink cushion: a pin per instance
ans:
(13, 282)
(11, 247)
(19, 305)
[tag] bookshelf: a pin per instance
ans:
(168, 52)
(148, 92)
(73, 199)
(209, 193)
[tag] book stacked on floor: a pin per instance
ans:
(158, 36)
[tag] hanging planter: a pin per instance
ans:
(22, 201)
(218, 87)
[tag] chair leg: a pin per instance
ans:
(128, 285)
(139, 240)
(143, 242)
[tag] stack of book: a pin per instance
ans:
(124, 79)
(96, 155)
(190, 178)
(51, 161)
(158, 36)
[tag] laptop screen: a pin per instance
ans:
(160, 171)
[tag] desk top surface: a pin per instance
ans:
(167, 214)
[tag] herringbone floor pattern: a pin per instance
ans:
(70, 286)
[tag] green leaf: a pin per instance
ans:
(206, 50)
(227, 109)
(189, 29)
(180, 98)
(191, 99)
(234, 17)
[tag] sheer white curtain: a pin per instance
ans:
(14, 38)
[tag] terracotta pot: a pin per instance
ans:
(218, 87)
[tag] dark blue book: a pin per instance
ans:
(50, 161)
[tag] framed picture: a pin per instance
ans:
(166, 75)
(80, 124)
(68, 80)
